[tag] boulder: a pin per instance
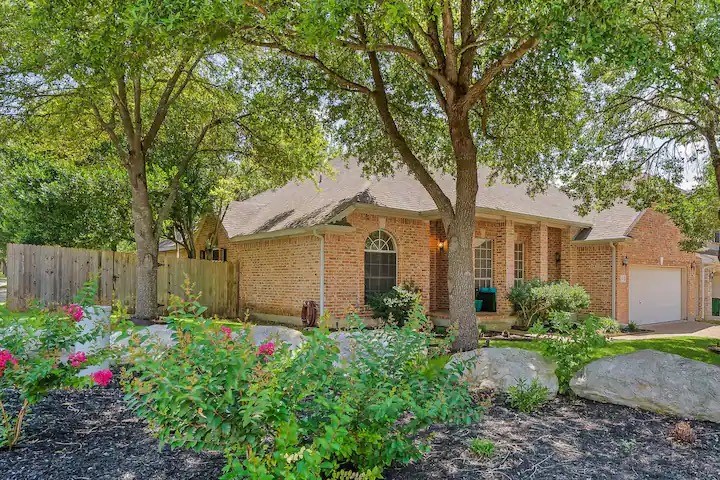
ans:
(502, 368)
(655, 381)
(275, 333)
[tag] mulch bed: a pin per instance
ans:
(90, 434)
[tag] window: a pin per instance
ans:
(483, 264)
(380, 264)
(216, 255)
(519, 263)
(716, 237)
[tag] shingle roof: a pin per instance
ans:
(610, 224)
(306, 204)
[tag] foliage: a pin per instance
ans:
(39, 354)
(45, 200)
(534, 300)
(683, 432)
(295, 415)
(397, 304)
(482, 447)
(569, 345)
(608, 325)
(632, 327)
(526, 397)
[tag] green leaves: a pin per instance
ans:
(300, 414)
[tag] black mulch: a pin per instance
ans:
(570, 439)
(92, 435)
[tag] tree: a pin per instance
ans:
(149, 78)
(51, 201)
(656, 109)
(445, 85)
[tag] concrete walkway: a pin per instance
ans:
(675, 329)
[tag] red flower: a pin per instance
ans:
(102, 377)
(74, 311)
(77, 359)
(227, 331)
(5, 357)
(266, 349)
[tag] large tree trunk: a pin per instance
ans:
(461, 231)
(146, 306)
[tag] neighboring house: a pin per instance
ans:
(349, 236)
(710, 288)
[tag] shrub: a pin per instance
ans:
(526, 397)
(608, 325)
(301, 414)
(396, 305)
(482, 447)
(569, 345)
(534, 300)
(38, 355)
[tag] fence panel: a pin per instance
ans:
(53, 275)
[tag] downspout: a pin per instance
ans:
(613, 284)
(322, 270)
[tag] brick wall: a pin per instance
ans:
(655, 236)
(438, 267)
(278, 274)
(554, 235)
(345, 258)
(594, 273)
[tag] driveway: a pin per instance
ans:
(676, 329)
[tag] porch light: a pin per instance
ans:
(557, 257)
(625, 260)
(441, 246)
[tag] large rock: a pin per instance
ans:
(656, 381)
(274, 333)
(502, 368)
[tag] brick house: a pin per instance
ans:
(347, 236)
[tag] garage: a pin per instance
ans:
(655, 295)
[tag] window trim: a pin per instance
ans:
(517, 280)
(478, 243)
(393, 251)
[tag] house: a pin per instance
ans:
(347, 236)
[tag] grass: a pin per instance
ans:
(694, 348)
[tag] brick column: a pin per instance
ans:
(505, 264)
(538, 252)
(568, 256)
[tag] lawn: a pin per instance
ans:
(694, 348)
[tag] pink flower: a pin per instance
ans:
(77, 359)
(5, 357)
(266, 349)
(102, 377)
(227, 331)
(74, 311)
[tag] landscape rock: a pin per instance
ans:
(275, 333)
(502, 368)
(655, 381)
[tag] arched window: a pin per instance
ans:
(380, 263)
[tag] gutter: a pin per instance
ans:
(294, 232)
(322, 270)
(613, 287)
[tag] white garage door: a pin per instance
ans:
(655, 294)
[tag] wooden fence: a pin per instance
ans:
(53, 275)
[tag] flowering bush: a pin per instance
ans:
(397, 304)
(35, 358)
(297, 414)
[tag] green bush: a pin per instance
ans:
(482, 447)
(570, 345)
(37, 355)
(298, 414)
(396, 305)
(608, 325)
(534, 300)
(526, 397)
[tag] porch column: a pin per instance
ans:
(538, 252)
(568, 255)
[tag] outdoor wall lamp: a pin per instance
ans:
(441, 246)
(625, 260)
(557, 257)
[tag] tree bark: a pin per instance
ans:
(146, 306)
(460, 229)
